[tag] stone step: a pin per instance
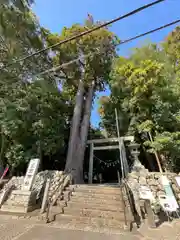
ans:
(89, 200)
(61, 203)
(56, 209)
(93, 188)
(66, 195)
(98, 191)
(88, 212)
(95, 195)
(89, 223)
(17, 208)
(99, 206)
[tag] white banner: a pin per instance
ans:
(169, 197)
(178, 180)
(168, 203)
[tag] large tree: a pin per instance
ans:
(89, 74)
(35, 115)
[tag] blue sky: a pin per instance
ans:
(55, 14)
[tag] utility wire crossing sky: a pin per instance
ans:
(86, 32)
(55, 15)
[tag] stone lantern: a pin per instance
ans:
(134, 150)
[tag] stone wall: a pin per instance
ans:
(14, 183)
(58, 180)
(17, 196)
(152, 180)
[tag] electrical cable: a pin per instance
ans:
(85, 32)
(122, 42)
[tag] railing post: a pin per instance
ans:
(124, 204)
(119, 178)
(45, 197)
(150, 214)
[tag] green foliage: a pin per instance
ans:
(35, 110)
(145, 88)
(172, 46)
(36, 116)
(145, 126)
(33, 114)
(95, 50)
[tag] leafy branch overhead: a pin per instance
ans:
(145, 87)
(36, 110)
(41, 113)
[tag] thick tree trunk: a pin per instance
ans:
(74, 134)
(84, 133)
(79, 133)
(76, 166)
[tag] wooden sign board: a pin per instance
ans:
(31, 173)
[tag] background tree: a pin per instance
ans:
(145, 87)
(21, 35)
(172, 47)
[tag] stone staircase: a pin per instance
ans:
(94, 208)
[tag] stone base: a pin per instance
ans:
(17, 209)
(20, 201)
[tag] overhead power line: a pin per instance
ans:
(151, 31)
(122, 42)
(85, 32)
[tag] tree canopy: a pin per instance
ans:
(145, 88)
(41, 111)
(36, 108)
(33, 110)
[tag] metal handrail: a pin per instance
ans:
(122, 198)
(124, 205)
(130, 200)
(124, 183)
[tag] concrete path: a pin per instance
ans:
(27, 230)
(50, 233)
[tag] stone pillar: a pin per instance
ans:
(31, 173)
(45, 197)
(136, 171)
(137, 166)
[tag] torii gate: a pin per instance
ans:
(96, 148)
